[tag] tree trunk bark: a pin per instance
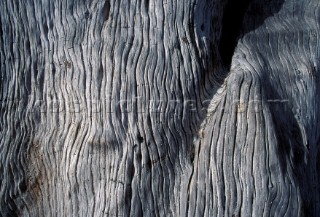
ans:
(159, 108)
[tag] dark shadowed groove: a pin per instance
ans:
(105, 11)
(231, 24)
(99, 79)
(146, 5)
(130, 172)
(1, 33)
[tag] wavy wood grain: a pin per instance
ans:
(125, 108)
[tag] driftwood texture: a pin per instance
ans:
(159, 108)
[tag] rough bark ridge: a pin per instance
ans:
(128, 108)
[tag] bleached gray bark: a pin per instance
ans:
(155, 108)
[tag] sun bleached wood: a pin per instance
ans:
(159, 108)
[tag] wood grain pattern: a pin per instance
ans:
(129, 108)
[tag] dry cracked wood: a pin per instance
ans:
(155, 108)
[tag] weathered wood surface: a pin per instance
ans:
(131, 108)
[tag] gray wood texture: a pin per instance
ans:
(159, 108)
